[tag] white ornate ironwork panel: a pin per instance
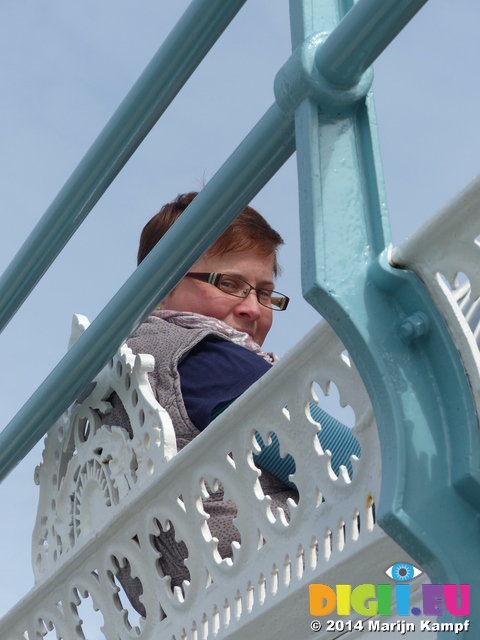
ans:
(105, 496)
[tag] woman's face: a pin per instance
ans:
(243, 314)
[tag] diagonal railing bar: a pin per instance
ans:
(248, 169)
(365, 31)
(187, 44)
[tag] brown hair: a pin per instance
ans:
(249, 230)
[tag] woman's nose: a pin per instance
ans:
(250, 305)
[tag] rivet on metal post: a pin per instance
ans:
(415, 326)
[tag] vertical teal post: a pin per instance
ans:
(419, 391)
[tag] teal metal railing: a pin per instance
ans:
(324, 110)
(255, 161)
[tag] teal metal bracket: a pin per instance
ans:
(428, 427)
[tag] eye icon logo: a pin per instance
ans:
(402, 572)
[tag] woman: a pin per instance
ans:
(206, 337)
(233, 314)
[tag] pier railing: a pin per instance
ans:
(393, 325)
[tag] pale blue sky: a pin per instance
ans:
(65, 68)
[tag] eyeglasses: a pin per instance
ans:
(241, 289)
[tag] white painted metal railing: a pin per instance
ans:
(103, 494)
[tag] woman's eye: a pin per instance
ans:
(402, 572)
(229, 284)
(264, 295)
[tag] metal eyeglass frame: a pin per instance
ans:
(281, 300)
